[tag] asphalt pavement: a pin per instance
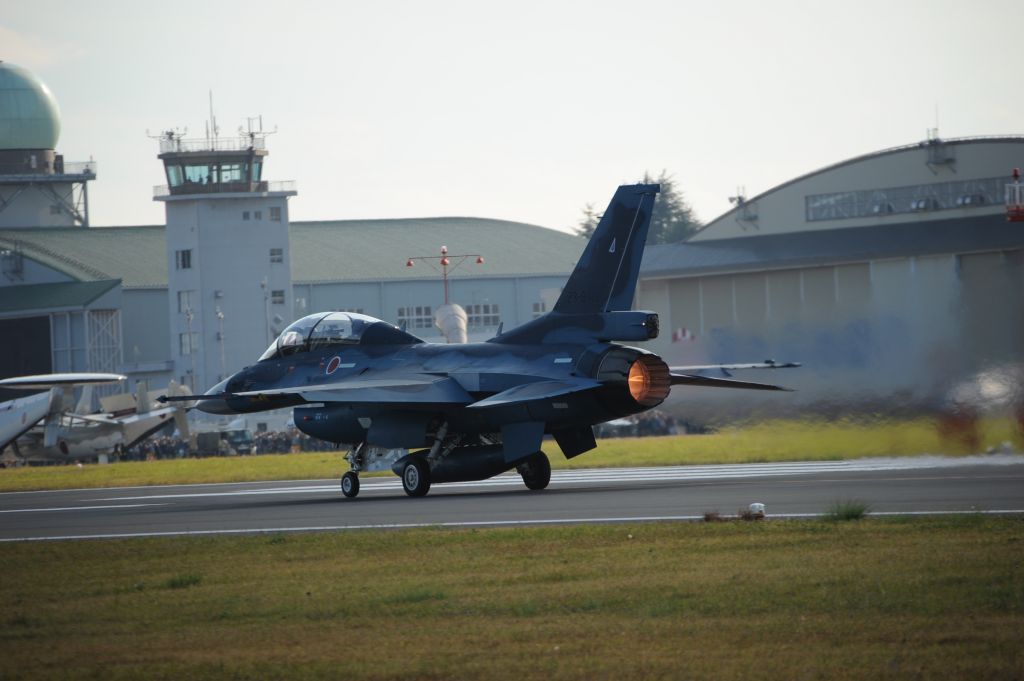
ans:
(922, 485)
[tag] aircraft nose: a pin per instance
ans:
(215, 406)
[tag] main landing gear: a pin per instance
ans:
(536, 471)
(350, 484)
(416, 477)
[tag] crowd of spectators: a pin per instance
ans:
(291, 441)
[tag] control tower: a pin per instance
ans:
(37, 187)
(228, 261)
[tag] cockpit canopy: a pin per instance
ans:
(326, 329)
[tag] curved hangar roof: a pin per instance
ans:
(29, 117)
(932, 180)
(321, 252)
(936, 197)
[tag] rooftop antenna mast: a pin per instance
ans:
(253, 131)
(212, 131)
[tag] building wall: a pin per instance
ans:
(233, 266)
(893, 333)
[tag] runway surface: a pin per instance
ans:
(925, 485)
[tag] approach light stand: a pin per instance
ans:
(445, 261)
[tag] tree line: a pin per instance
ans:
(673, 218)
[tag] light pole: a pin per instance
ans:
(220, 340)
(191, 349)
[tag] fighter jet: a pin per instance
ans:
(51, 426)
(476, 410)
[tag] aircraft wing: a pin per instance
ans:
(539, 390)
(405, 388)
(18, 416)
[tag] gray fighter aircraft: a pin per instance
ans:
(476, 410)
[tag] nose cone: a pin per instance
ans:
(215, 406)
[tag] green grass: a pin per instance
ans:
(876, 599)
(851, 509)
(761, 442)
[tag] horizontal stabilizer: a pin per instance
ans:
(530, 392)
(709, 382)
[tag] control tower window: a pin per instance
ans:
(275, 214)
(232, 172)
(197, 174)
(175, 176)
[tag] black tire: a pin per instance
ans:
(536, 471)
(416, 478)
(350, 485)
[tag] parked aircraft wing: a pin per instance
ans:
(711, 382)
(41, 381)
(415, 388)
(49, 406)
(539, 390)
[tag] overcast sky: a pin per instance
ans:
(516, 110)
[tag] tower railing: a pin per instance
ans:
(163, 190)
(173, 145)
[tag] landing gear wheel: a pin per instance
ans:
(350, 484)
(536, 471)
(416, 478)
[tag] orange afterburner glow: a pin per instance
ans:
(639, 381)
(648, 380)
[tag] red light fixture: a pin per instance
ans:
(444, 262)
(479, 260)
(408, 263)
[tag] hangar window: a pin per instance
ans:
(482, 315)
(909, 199)
(277, 297)
(276, 255)
(416, 317)
(539, 309)
(275, 214)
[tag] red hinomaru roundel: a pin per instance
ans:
(333, 365)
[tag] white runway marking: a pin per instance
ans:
(75, 508)
(479, 523)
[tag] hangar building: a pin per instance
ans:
(895, 277)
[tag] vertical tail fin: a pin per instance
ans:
(605, 276)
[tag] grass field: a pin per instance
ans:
(938, 598)
(772, 441)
